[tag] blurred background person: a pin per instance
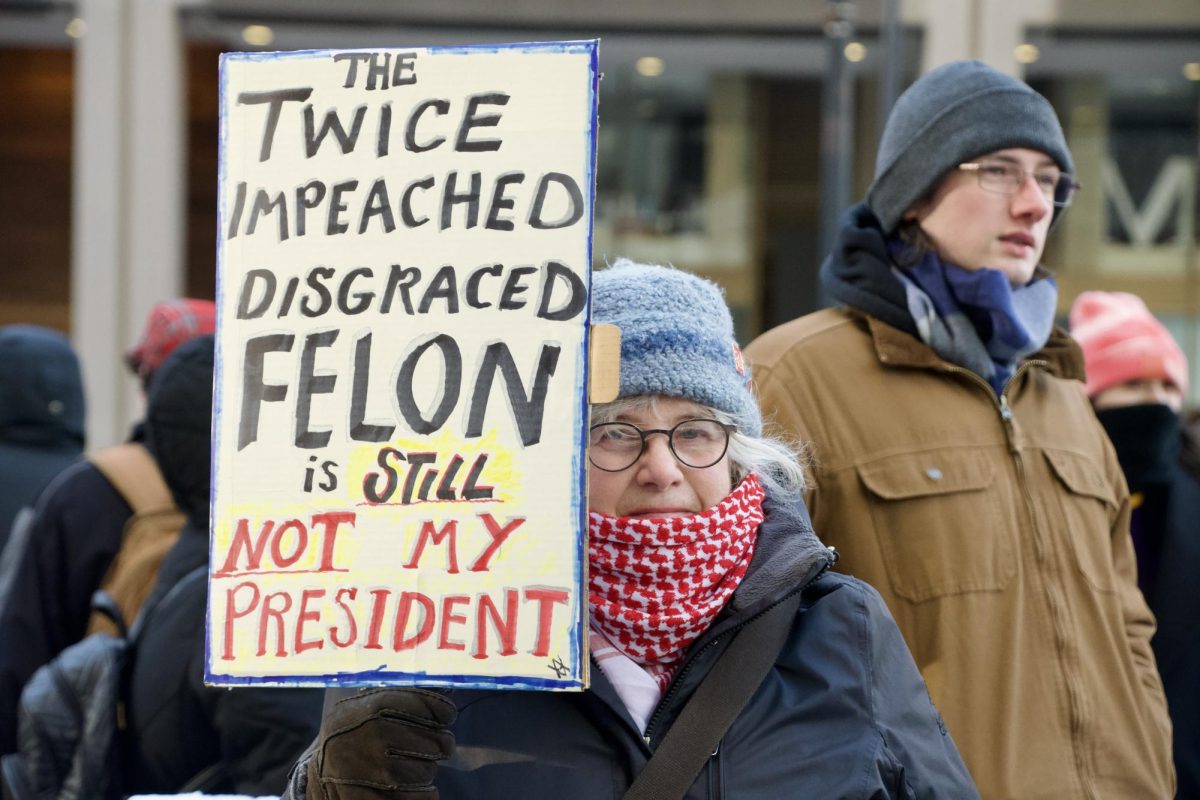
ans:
(183, 733)
(77, 528)
(1137, 378)
(41, 414)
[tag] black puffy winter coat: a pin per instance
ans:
(842, 714)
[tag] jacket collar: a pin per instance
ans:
(1063, 355)
(895, 348)
(858, 274)
(787, 554)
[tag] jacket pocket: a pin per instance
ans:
(941, 526)
(1088, 504)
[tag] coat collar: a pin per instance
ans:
(895, 348)
(786, 555)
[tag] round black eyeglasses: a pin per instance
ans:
(697, 443)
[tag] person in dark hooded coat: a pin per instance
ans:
(240, 740)
(74, 532)
(41, 414)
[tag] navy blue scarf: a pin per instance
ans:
(975, 318)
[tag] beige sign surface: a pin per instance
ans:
(401, 405)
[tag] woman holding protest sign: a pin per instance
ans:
(727, 658)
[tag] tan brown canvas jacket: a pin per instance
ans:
(997, 530)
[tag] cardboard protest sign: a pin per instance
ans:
(401, 410)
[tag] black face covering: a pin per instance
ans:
(1146, 438)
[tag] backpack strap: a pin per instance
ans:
(721, 696)
(134, 473)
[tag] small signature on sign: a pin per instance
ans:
(560, 669)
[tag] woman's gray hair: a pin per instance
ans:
(778, 463)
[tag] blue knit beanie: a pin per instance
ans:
(951, 115)
(676, 338)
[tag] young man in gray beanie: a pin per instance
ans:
(958, 467)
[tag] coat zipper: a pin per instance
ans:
(1041, 548)
(1010, 436)
(716, 781)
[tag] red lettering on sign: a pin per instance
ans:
(505, 626)
(352, 592)
(499, 535)
(403, 612)
(275, 614)
(546, 599)
(277, 543)
(288, 623)
(379, 598)
(430, 533)
(331, 520)
(232, 614)
(247, 556)
(450, 618)
(241, 541)
(308, 616)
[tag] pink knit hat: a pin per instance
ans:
(1122, 341)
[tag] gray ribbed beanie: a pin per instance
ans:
(676, 338)
(952, 114)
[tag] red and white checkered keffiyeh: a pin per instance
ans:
(656, 584)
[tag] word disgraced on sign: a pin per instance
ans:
(405, 241)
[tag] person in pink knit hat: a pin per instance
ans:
(1137, 379)
(1131, 359)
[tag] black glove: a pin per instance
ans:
(382, 744)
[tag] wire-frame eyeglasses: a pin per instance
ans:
(697, 443)
(1003, 177)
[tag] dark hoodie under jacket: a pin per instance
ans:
(41, 414)
(179, 726)
(843, 713)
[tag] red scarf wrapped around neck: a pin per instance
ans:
(655, 585)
